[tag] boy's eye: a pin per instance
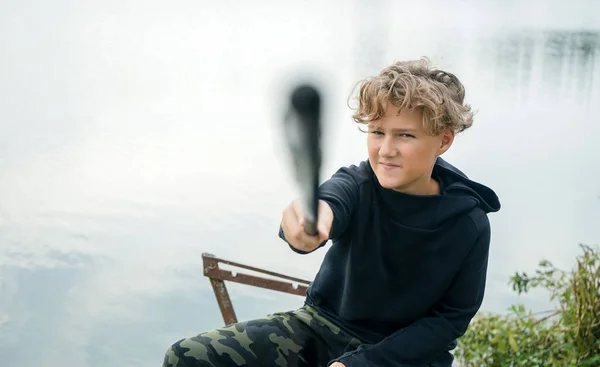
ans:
(407, 136)
(376, 132)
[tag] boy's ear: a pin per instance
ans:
(446, 141)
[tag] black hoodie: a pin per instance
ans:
(405, 273)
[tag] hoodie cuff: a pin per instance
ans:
(356, 359)
(351, 359)
(282, 236)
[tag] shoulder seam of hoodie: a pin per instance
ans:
(477, 216)
(360, 175)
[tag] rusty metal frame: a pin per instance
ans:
(218, 276)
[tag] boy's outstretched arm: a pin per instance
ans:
(419, 343)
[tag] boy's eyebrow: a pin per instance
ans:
(378, 126)
(404, 130)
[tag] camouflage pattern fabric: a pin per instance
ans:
(296, 338)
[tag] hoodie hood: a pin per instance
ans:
(460, 195)
(457, 183)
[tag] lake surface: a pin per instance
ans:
(134, 136)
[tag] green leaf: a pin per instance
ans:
(513, 343)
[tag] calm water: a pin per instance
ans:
(134, 136)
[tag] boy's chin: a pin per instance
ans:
(388, 183)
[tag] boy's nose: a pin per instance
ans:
(387, 149)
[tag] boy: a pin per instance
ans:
(410, 236)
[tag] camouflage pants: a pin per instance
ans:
(296, 338)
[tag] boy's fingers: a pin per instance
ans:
(293, 225)
(290, 213)
(291, 228)
(323, 233)
(298, 209)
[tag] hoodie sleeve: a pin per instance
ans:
(341, 193)
(419, 343)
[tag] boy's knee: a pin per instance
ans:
(172, 357)
(187, 352)
(208, 349)
(252, 343)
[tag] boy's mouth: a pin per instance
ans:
(389, 165)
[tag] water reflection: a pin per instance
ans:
(513, 56)
(582, 49)
(374, 34)
(570, 61)
(556, 64)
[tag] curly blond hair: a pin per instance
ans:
(415, 84)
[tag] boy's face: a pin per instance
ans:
(402, 153)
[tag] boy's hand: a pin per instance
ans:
(292, 224)
(337, 364)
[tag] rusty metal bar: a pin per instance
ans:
(217, 277)
(224, 301)
(215, 260)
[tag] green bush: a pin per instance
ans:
(564, 337)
